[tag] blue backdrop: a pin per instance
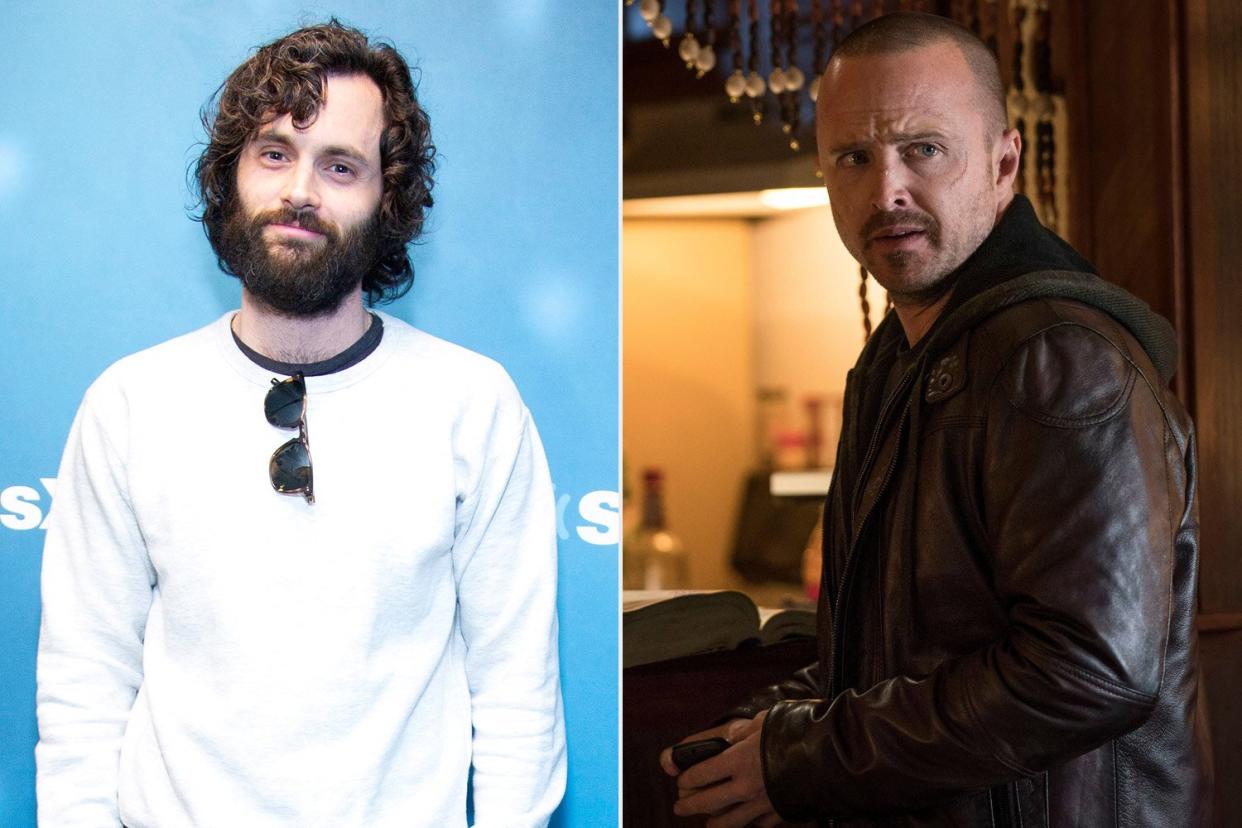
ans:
(98, 125)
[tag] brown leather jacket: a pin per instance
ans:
(1007, 613)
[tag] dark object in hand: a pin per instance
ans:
(688, 754)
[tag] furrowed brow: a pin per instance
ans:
(847, 146)
(889, 138)
(914, 137)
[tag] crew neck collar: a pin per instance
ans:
(388, 331)
(355, 353)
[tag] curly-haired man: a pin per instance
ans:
(236, 635)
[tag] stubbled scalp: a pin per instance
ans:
(905, 31)
(288, 76)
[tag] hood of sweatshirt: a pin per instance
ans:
(1020, 260)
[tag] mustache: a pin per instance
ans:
(879, 222)
(307, 219)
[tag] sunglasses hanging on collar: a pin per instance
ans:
(290, 466)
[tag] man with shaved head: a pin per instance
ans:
(1010, 540)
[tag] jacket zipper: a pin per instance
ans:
(1002, 816)
(829, 584)
(842, 602)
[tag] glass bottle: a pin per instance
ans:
(656, 552)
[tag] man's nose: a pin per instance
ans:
(889, 185)
(301, 186)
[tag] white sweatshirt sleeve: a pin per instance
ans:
(504, 558)
(97, 587)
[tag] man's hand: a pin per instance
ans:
(728, 787)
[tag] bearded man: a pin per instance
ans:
(233, 634)
(1006, 620)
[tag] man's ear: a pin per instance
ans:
(1009, 150)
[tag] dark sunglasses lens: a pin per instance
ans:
(290, 467)
(284, 403)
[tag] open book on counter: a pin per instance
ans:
(658, 625)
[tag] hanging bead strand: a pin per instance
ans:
(755, 84)
(970, 16)
(776, 79)
(661, 26)
(688, 48)
(795, 80)
(957, 10)
(820, 34)
(863, 303)
(706, 61)
(1032, 99)
(1017, 95)
(1045, 110)
(989, 24)
(735, 84)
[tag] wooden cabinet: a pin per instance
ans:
(1156, 93)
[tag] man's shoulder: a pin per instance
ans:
(419, 344)
(147, 368)
(1033, 316)
(1075, 327)
(449, 368)
(1057, 304)
(1060, 360)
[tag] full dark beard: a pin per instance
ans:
(306, 278)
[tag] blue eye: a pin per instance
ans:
(341, 170)
(927, 150)
(274, 155)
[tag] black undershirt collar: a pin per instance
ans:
(1018, 244)
(347, 358)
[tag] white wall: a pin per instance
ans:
(807, 316)
(688, 376)
(712, 310)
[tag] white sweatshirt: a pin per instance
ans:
(214, 653)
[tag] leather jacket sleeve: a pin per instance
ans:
(804, 684)
(1079, 501)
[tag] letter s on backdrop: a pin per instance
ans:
(602, 508)
(20, 502)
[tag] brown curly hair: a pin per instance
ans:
(287, 76)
